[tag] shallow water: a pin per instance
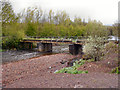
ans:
(12, 55)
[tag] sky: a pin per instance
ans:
(105, 11)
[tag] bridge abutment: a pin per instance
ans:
(44, 47)
(75, 49)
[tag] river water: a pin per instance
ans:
(8, 56)
(12, 55)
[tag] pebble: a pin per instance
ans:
(50, 67)
(108, 62)
(78, 86)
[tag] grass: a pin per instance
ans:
(90, 60)
(73, 69)
(1, 50)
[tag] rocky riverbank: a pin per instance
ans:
(14, 55)
(39, 73)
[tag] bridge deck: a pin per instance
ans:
(56, 41)
(80, 40)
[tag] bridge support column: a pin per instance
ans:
(75, 49)
(44, 47)
(40, 47)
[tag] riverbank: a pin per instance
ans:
(39, 72)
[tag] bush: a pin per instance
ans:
(116, 70)
(10, 43)
(13, 34)
(94, 47)
(73, 69)
(111, 46)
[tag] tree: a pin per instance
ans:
(8, 14)
(50, 17)
(77, 21)
(10, 26)
(94, 47)
(38, 15)
(31, 30)
(63, 16)
(68, 22)
(115, 29)
(94, 28)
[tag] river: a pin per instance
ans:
(14, 55)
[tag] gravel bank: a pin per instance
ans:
(39, 73)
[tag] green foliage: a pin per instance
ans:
(73, 69)
(94, 47)
(0, 50)
(111, 46)
(13, 35)
(90, 60)
(12, 30)
(33, 22)
(94, 28)
(113, 30)
(10, 43)
(31, 30)
(8, 16)
(116, 70)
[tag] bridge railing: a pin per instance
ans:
(74, 39)
(61, 38)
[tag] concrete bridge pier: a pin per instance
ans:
(75, 49)
(44, 47)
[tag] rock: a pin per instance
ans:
(63, 62)
(50, 67)
(78, 86)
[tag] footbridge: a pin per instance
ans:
(44, 44)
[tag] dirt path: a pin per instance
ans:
(39, 73)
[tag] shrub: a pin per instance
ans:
(116, 70)
(73, 69)
(10, 43)
(111, 46)
(94, 47)
(13, 35)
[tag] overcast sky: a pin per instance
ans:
(104, 10)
